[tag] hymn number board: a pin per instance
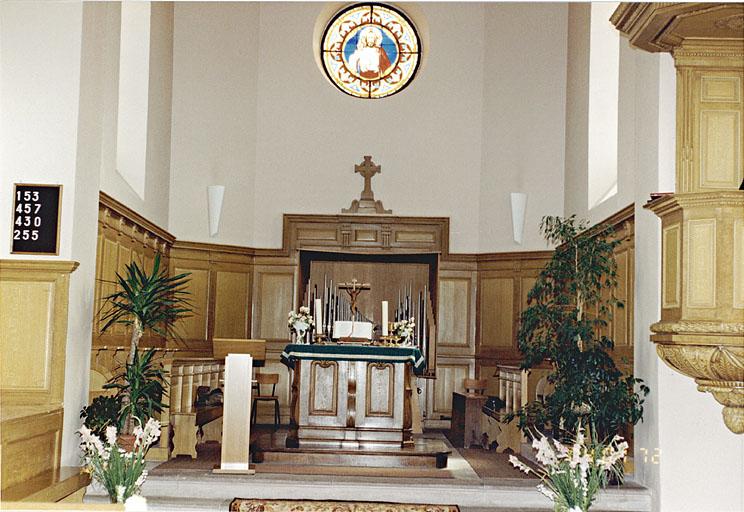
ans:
(36, 212)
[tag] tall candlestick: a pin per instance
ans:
(384, 318)
(318, 316)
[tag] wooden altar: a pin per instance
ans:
(351, 396)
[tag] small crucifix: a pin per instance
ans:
(366, 202)
(353, 288)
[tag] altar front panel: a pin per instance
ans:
(352, 403)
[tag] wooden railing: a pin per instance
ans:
(517, 388)
(188, 374)
(182, 418)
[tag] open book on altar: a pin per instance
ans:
(349, 329)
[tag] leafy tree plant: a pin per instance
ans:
(567, 310)
(153, 301)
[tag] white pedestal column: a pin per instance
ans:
(236, 417)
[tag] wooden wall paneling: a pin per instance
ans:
(30, 443)
(497, 310)
(33, 339)
(274, 295)
(195, 327)
(124, 236)
(451, 371)
(232, 304)
(368, 233)
(456, 312)
(33, 330)
(387, 280)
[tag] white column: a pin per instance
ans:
(236, 416)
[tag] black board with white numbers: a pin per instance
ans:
(36, 213)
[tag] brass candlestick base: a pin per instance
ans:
(321, 338)
(388, 340)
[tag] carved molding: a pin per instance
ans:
(702, 335)
(663, 26)
(716, 370)
(694, 327)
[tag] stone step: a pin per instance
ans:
(380, 459)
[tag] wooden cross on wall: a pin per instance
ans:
(366, 203)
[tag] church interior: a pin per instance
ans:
(298, 255)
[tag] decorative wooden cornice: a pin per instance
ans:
(108, 202)
(55, 266)
(664, 26)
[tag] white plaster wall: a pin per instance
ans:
(577, 122)
(39, 92)
(524, 91)
(154, 206)
(215, 59)
(252, 111)
(50, 131)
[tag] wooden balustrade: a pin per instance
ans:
(182, 417)
(516, 387)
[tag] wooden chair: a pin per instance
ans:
(266, 378)
(475, 387)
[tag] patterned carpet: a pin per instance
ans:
(253, 505)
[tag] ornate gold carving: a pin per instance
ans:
(716, 369)
(663, 26)
(733, 22)
(696, 327)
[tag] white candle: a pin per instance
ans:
(384, 318)
(318, 316)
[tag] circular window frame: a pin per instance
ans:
(407, 19)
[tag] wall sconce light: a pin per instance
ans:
(518, 208)
(215, 194)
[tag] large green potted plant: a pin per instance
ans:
(567, 309)
(144, 301)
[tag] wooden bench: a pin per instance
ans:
(186, 421)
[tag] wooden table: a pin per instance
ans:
(465, 429)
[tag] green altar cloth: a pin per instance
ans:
(347, 352)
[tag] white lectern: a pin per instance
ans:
(236, 416)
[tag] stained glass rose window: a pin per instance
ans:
(370, 50)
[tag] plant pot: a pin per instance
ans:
(126, 441)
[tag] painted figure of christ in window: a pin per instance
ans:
(370, 60)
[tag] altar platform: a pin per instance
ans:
(475, 480)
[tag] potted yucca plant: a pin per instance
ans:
(144, 301)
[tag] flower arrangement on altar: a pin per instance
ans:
(299, 323)
(120, 472)
(403, 330)
(573, 474)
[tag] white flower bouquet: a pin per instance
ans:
(403, 329)
(299, 323)
(120, 472)
(573, 474)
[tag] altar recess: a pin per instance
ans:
(370, 293)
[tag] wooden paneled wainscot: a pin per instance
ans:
(33, 338)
